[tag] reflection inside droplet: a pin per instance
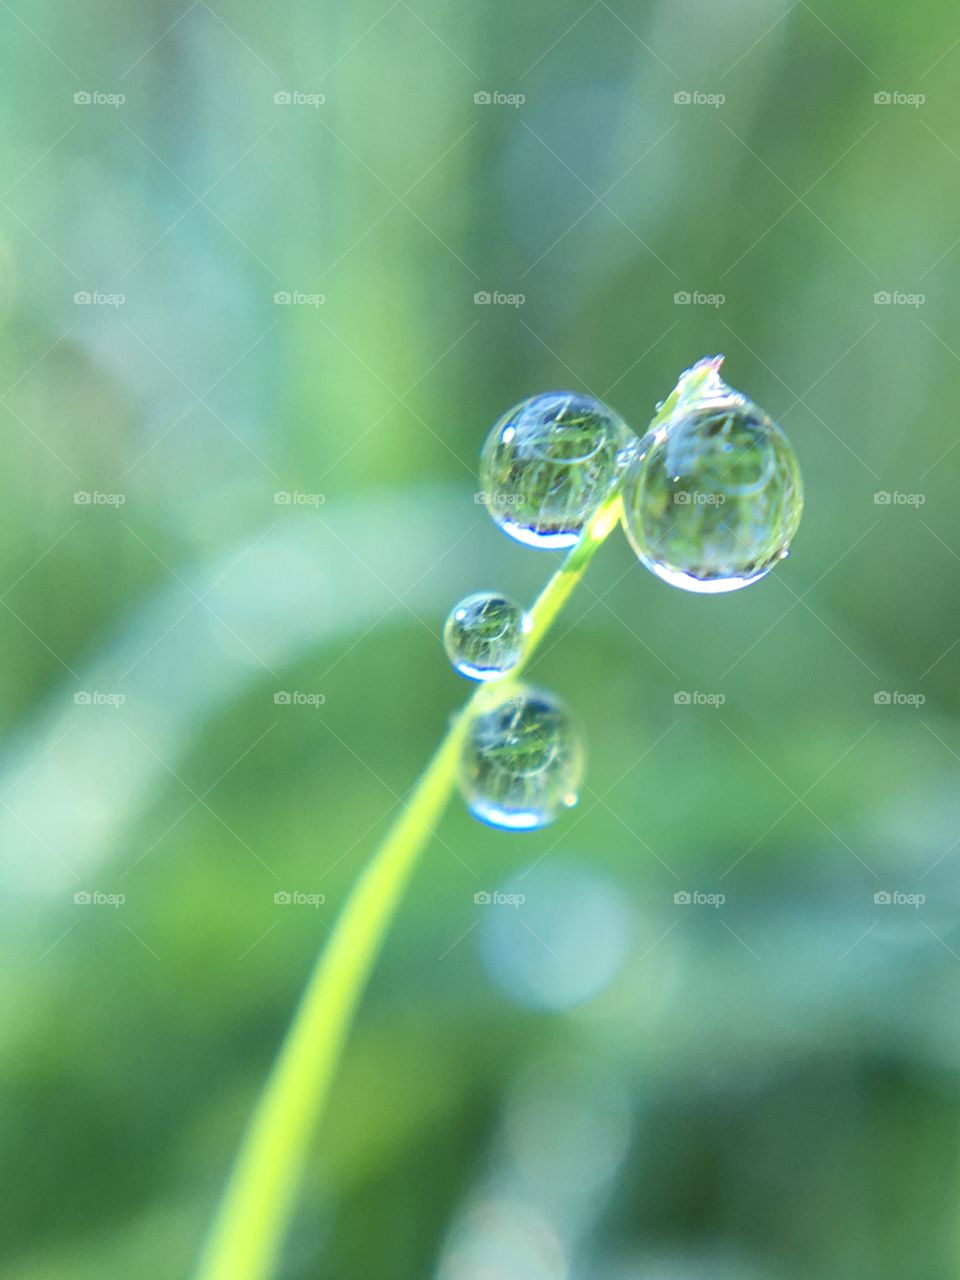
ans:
(522, 762)
(484, 635)
(712, 500)
(549, 464)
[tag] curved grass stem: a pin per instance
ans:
(259, 1198)
(258, 1202)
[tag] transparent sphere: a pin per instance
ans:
(522, 762)
(549, 464)
(484, 635)
(713, 499)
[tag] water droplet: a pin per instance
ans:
(523, 761)
(484, 635)
(713, 498)
(549, 464)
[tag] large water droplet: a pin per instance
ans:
(523, 761)
(549, 464)
(484, 635)
(713, 498)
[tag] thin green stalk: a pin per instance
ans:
(247, 1233)
(259, 1198)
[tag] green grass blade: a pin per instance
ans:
(260, 1194)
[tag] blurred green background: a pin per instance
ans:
(603, 1084)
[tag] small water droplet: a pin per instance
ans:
(549, 464)
(523, 761)
(484, 635)
(712, 503)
